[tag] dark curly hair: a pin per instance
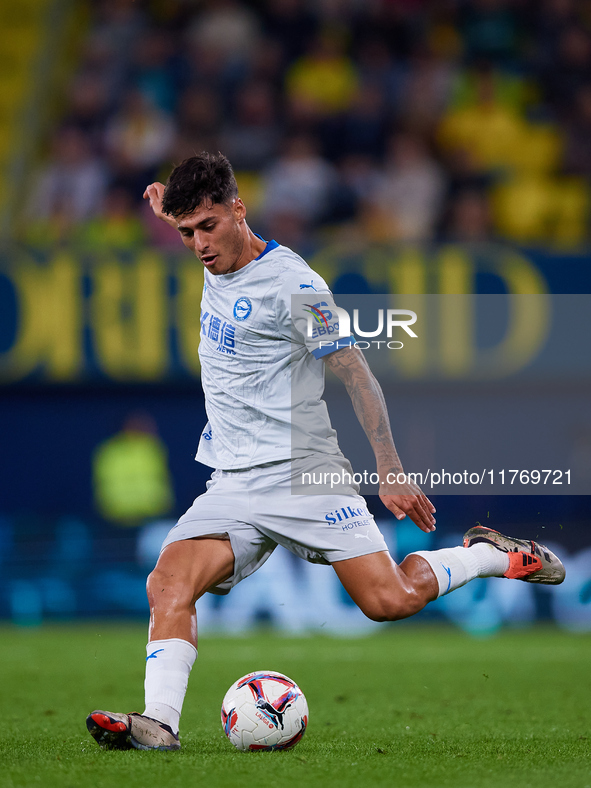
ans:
(207, 178)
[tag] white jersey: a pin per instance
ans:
(262, 377)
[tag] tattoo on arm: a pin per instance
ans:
(350, 366)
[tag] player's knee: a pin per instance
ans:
(388, 606)
(167, 589)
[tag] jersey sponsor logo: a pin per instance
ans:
(319, 316)
(219, 331)
(242, 308)
(346, 513)
(322, 321)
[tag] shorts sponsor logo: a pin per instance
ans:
(357, 524)
(346, 513)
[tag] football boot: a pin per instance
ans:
(130, 731)
(528, 560)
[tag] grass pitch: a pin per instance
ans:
(408, 707)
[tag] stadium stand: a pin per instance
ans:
(468, 108)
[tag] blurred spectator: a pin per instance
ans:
(409, 197)
(360, 175)
(153, 72)
(118, 24)
(131, 479)
(503, 88)
(228, 27)
(464, 174)
(290, 23)
(199, 118)
(117, 227)
(137, 139)
(536, 208)
(442, 37)
(571, 70)
(88, 109)
(300, 183)
(303, 97)
(494, 134)
(251, 138)
(267, 64)
(425, 90)
(555, 16)
(489, 30)
(70, 188)
(469, 219)
(359, 178)
(397, 23)
(577, 157)
(361, 130)
(221, 42)
(324, 79)
(377, 68)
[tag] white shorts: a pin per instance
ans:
(256, 510)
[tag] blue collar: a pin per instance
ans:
(268, 248)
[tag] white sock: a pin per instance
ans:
(455, 566)
(492, 562)
(168, 664)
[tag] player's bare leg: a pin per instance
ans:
(184, 572)
(385, 591)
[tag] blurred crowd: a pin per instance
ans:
(379, 120)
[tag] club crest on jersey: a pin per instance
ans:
(242, 308)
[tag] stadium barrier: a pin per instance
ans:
(76, 577)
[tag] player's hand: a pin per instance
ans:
(154, 193)
(408, 500)
(418, 507)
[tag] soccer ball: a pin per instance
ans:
(264, 711)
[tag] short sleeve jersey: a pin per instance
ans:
(262, 375)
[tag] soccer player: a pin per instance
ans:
(263, 378)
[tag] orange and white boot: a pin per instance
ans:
(528, 560)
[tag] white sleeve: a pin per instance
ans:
(308, 315)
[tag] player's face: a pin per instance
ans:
(217, 235)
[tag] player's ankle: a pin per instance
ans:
(491, 562)
(164, 714)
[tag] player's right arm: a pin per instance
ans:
(400, 494)
(299, 313)
(154, 193)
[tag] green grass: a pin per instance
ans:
(409, 707)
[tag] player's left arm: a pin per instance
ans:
(350, 366)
